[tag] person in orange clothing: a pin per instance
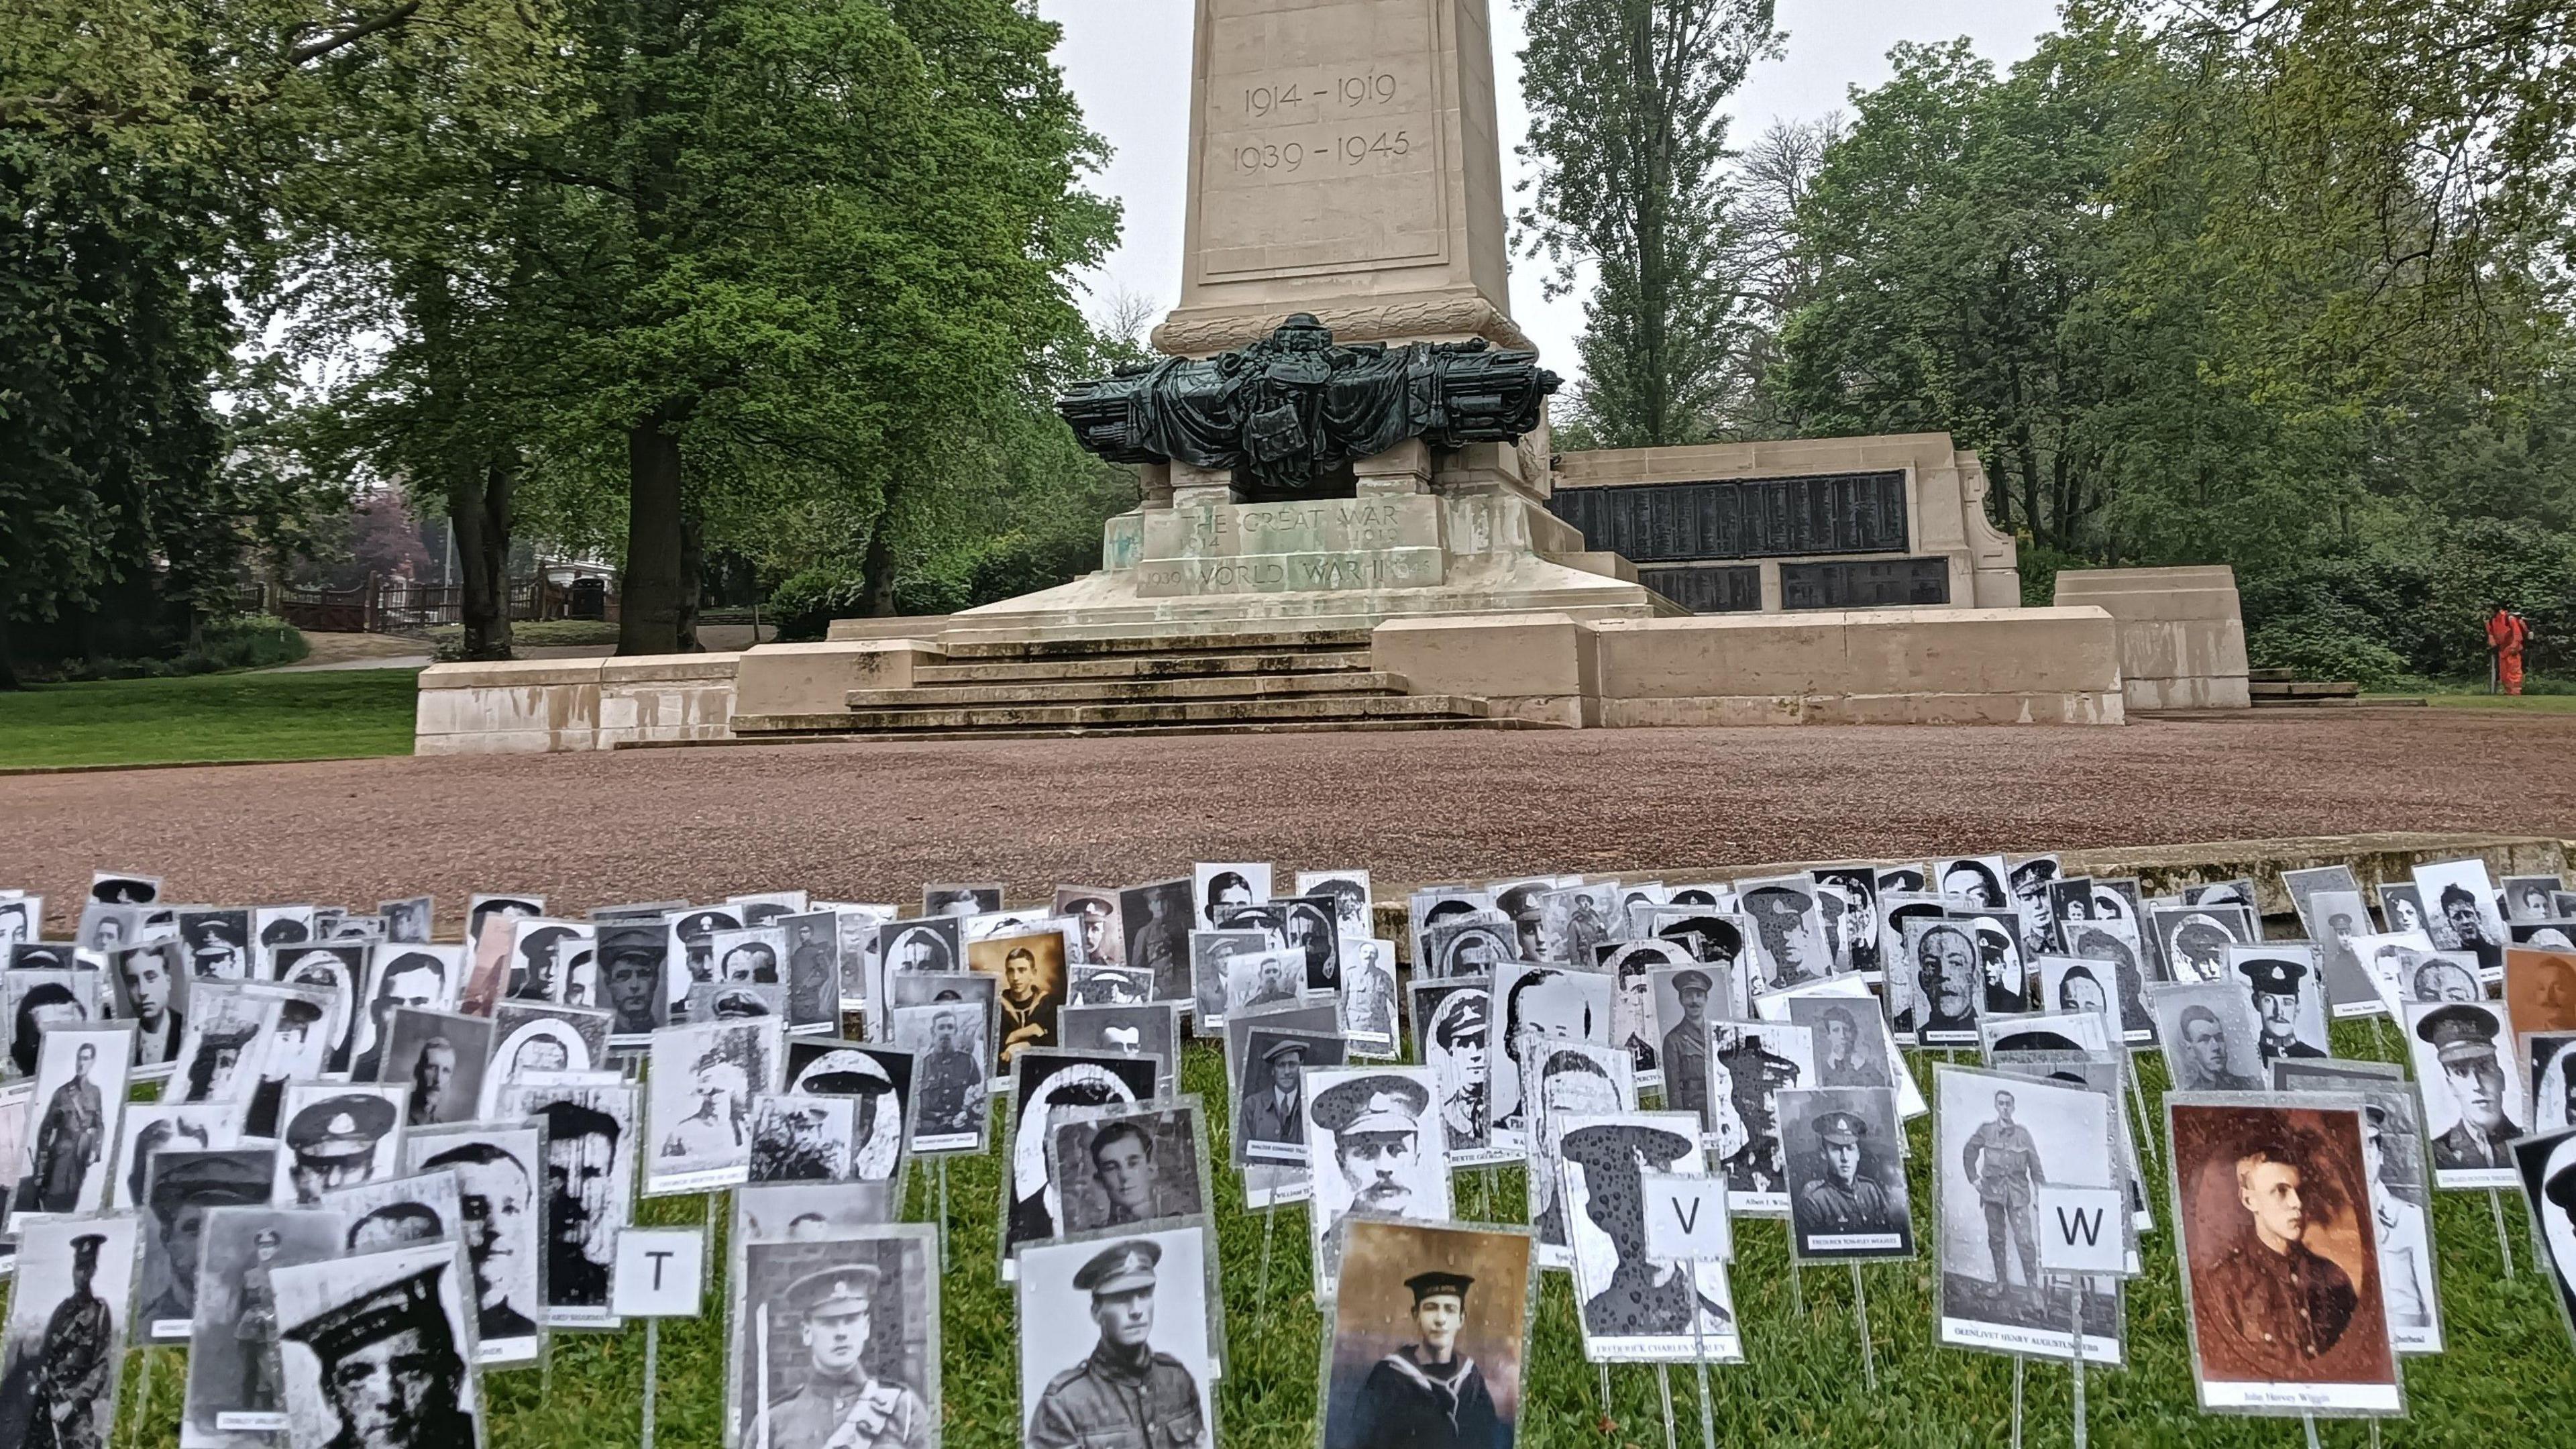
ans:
(2507, 632)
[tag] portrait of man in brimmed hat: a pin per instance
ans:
(392, 1373)
(841, 1401)
(336, 1142)
(1641, 1297)
(1125, 1391)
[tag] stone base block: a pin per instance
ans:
(781, 679)
(1538, 667)
(555, 706)
(2182, 633)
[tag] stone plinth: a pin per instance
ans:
(2182, 635)
(1345, 161)
(544, 706)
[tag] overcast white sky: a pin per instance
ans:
(1129, 63)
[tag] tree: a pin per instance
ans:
(1630, 147)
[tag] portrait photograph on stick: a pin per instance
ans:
(835, 1338)
(378, 1350)
(62, 1347)
(1121, 1340)
(1429, 1336)
(1633, 1307)
(1997, 1139)
(236, 1389)
(591, 1136)
(1127, 1165)
(500, 1176)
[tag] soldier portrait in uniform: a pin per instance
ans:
(1971, 882)
(1450, 1027)
(377, 1351)
(499, 1178)
(2210, 1036)
(1368, 996)
(179, 1189)
(1682, 1016)
(1270, 1121)
(589, 1189)
(1753, 1062)
(2282, 981)
(1157, 919)
(1848, 897)
(633, 956)
(1631, 966)
(234, 1382)
(1373, 1146)
(1788, 932)
(2547, 1163)
(952, 1106)
(439, 1059)
(1539, 1004)
(1429, 1336)
(1145, 1029)
(1125, 1166)
(798, 1138)
(701, 1084)
(2277, 1242)
(2540, 990)
(80, 1094)
(2475, 1101)
(1997, 1137)
(1044, 1080)
(1098, 939)
(836, 1341)
(1634, 1308)
(1847, 1195)
(1213, 973)
(1118, 1348)
(337, 1135)
(64, 1344)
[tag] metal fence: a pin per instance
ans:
(402, 606)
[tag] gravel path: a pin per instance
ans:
(871, 822)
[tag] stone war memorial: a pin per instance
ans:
(1352, 516)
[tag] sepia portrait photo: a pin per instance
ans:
(1429, 1336)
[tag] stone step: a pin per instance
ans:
(939, 696)
(1323, 710)
(1144, 666)
(2271, 676)
(1272, 727)
(962, 643)
(2303, 689)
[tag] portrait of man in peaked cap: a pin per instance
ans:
(384, 1358)
(1138, 1381)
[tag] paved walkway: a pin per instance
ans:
(872, 822)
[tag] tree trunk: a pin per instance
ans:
(479, 518)
(649, 597)
(693, 563)
(876, 568)
(8, 671)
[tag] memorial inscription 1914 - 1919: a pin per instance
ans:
(1290, 413)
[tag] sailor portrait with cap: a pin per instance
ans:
(1427, 1394)
(2274, 983)
(335, 1143)
(1844, 1202)
(1274, 1113)
(1642, 1297)
(2463, 1039)
(840, 1404)
(390, 1366)
(76, 1359)
(1125, 1394)
(1376, 1127)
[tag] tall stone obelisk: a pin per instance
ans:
(1345, 161)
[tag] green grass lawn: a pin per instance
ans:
(2519, 703)
(208, 718)
(2508, 1379)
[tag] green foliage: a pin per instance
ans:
(1630, 140)
(805, 606)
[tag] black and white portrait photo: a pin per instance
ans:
(421, 978)
(1574, 923)
(1147, 1029)
(2042, 1031)
(393, 1211)
(1540, 1004)
(337, 1135)
(1255, 980)
(2461, 898)
(1470, 946)
(1947, 981)
(80, 1081)
(500, 1176)
(2396, 1163)
(535, 1036)
(1452, 1035)
(1686, 1001)
(22, 919)
(590, 1153)
(2546, 1163)
(2193, 940)
(935, 943)
(229, 1034)
(1631, 966)
(124, 888)
(1219, 890)
(148, 1127)
(1368, 996)
(2552, 1061)
(1098, 937)
(1971, 882)
(1570, 1079)
(768, 908)
(1372, 1146)
(1119, 1341)
(1632, 1307)
(1788, 931)
(1847, 1194)
(1214, 972)
(1847, 902)
(1352, 896)
(2101, 978)
(878, 1082)
(63, 1349)
(950, 1046)
(836, 1341)
(1750, 1066)
(2475, 1102)
(2211, 1037)
(1157, 919)
(1043, 1080)
(439, 1057)
(961, 898)
(1852, 1046)
(378, 1351)
(702, 1078)
(180, 1187)
(1127, 1166)
(40, 1001)
(235, 1385)
(1111, 986)
(1996, 1139)
(149, 986)
(801, 1138)
(1269, 1121)
(1429, 1336)
(634, 958)
(339, 967)
(2287, 989)
(812, 972)
(688, 955)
